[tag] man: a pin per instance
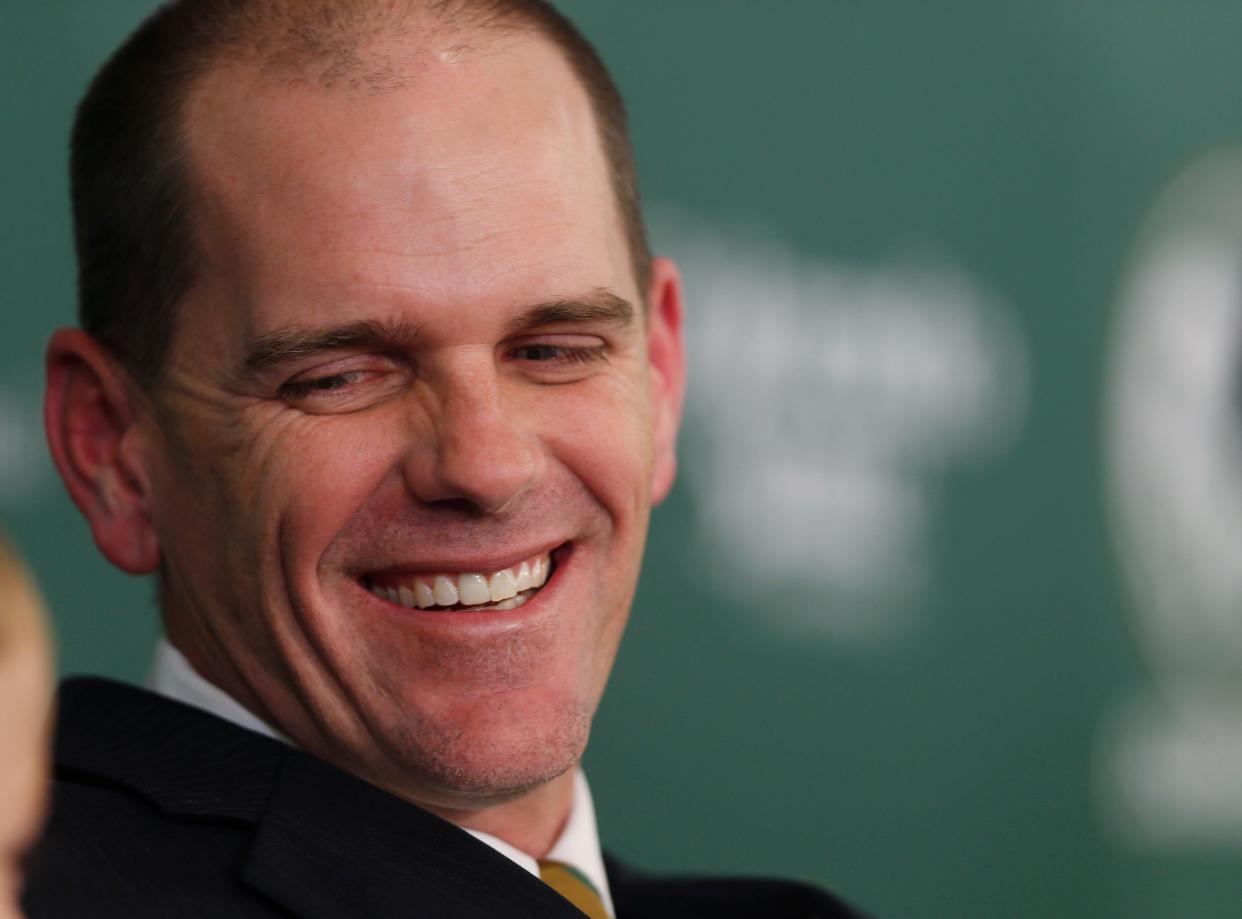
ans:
(25, 697)
(378, 376)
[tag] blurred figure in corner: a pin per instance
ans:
(25, 704)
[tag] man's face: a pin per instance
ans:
(416, 358)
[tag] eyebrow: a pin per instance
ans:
(601, 306)
(283, 345)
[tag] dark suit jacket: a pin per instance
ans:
(162, 810)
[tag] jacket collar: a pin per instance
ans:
(325, 842)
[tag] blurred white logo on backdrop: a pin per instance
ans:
(826, 400)
(23, 457)
(1170, 766)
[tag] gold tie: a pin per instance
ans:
(571, 885)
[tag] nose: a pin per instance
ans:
(477, 449)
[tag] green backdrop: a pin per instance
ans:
(889, 631)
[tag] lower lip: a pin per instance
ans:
(486, 620)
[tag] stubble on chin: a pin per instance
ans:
(493, 724)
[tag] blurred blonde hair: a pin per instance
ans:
(21, 607)
(25, 720)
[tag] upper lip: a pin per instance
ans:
(464, 563)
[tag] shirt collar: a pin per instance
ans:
(172, 675)
(577, 846)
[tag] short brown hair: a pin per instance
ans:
(136, 253)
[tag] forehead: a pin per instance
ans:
(486, 164)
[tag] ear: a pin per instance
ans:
(91, 413)
(667, 357)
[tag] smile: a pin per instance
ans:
(464, 591)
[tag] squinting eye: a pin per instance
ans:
(348, 385)
(300, 389)
(560, 355)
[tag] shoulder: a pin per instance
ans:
(642, 896)
(109, 852)
(149, 808)
(163, 810)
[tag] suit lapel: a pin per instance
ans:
(326, 844)
(185, 761)
(331, 845)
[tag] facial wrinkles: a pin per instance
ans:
(256, 446)
(309, 230)
(392, 529)
(297, 608)
(250, 444)
(313, 686)
(240, 443)
(308, 636)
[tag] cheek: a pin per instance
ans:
(602, 436)
(606, 445)
(329, 468)
(274, 486)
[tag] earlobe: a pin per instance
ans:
(90, 417)
(667, 357)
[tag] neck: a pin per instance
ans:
(531, 823)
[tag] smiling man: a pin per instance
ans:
(378, 377)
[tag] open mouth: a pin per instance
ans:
(465, 591)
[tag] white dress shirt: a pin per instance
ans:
(577, 846)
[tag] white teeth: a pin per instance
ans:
(473, 589)
(506, 589)
(503, 585)
(424, 596)
(513, 602)
(445, 591)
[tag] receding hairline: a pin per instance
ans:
(234, 70)
(371, 71)
(131, 188)
(368, 46)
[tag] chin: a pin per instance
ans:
(498, 754)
